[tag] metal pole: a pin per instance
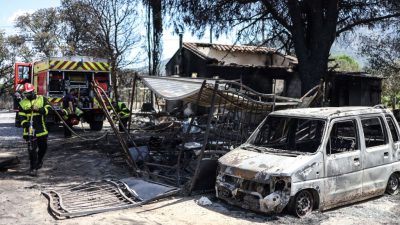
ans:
(131, 102)
(274, 92)
(210, 115)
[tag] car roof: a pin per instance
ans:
(328, 112)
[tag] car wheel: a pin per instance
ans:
(393, 184)
(302, 203)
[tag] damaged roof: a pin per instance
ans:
(232, 48)
(324, 113)
(222, 53)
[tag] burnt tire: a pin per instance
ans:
(96, 125)
(302, 204)
(393, 185)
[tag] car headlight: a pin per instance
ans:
(280, 183)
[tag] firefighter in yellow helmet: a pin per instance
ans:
(32, 110)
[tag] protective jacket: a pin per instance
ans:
(26, 112)
(122, 110)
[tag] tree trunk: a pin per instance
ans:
(157, 34)
(313, 31)
(393, 98)
(311, 73)
(114, 75)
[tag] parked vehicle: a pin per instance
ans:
(55, 77)
(313, 158)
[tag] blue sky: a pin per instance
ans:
(10, 9)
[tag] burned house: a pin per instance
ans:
(353, 89)
(263, 69)
(266, 70)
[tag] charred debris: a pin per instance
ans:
(180, 127)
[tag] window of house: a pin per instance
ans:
(393, 128)
(343, 137)
(374, 134)
(177, 72)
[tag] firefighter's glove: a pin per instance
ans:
(42, 111)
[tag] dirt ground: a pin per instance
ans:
(73, 161)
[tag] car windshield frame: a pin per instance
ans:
(289, 134)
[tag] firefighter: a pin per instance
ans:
(32, 111)
(123, 113)
(71, 112)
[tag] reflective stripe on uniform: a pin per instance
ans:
(44, 129)
(24, 121)
(27, 106)
(46, 109)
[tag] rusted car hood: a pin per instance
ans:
(259, 166)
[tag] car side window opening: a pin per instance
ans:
(393, 128)
(343, 137)
(374, 134)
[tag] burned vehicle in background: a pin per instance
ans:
(313, 158)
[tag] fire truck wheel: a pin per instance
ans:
(96, 125)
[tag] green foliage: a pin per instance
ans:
(383, 57)
(344, 63)
(42, 28)
(5, 65)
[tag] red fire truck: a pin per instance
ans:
(55, 77)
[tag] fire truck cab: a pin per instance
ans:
(57, 76)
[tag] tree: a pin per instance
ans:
(154, 40)
(5, 64)
(76, 30)
(111, 33)
(41, 27)
(19, 50)
(383, 57)
(382, 52)
(306, 27)
(344, 63)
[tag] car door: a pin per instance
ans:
(377, 156)
(343, 162)
(394, 131)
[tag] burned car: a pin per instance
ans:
(313, 158)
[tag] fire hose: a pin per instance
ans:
(72, 131)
